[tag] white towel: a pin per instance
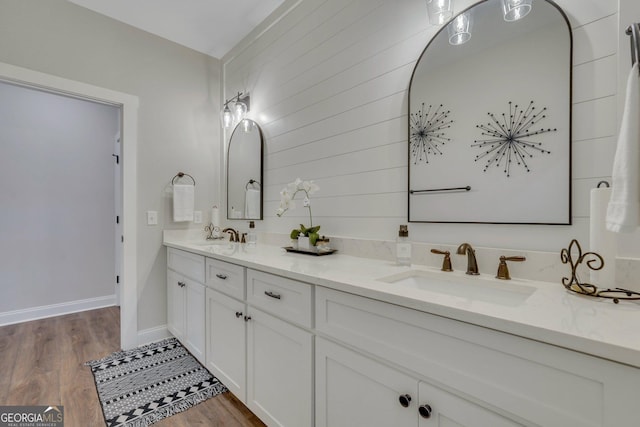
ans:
(623, 212)
(183, 202)
(252, 203)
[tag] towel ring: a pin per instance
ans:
(251, 182)
(180, 175)
(606, 184)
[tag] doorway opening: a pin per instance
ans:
(127, 106)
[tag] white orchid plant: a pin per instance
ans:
(287, 202)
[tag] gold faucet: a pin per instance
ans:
(233, 234)
(472, 264)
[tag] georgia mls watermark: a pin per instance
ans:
(31, 416)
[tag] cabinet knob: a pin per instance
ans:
(405, 400)
(182, 284)
(425, 411)
(221, 276)
(247, 318)
(272, 294)
(238, 314)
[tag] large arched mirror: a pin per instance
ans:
(490, 119)
(244, 172)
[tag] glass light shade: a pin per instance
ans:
(459, 29)
(226, 117)
(239, 111)
(515, 9)
(439, 11)
(247, 125)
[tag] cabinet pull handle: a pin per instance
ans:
(247, 318)
(405, 400)
(425, 411)
(238, 314)
(221, 276)
(182, 284)
(272, 295)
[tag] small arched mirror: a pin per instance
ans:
(244, 171)
(490, 118)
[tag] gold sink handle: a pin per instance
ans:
(503, 270)
(446, 262)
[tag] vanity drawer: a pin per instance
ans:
(541, 383)
(226, 277)
(186, 263)
(285, 298)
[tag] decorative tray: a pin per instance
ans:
(301, 251)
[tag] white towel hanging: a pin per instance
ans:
(183, 202)
(252, 203)
(623, 212)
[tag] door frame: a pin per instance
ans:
(128, 105)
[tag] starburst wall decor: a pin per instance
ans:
(508, 144)
(427, 132)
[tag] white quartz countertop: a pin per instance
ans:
(550, 314)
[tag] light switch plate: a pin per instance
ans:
(197, 217)
(152, 218)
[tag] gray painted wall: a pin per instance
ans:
(178, 89)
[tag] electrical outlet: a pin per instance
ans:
(197, 217)
(152, 218)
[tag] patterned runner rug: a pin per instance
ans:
(141, 386)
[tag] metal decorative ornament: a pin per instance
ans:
(508, 142)
(427, 132)
(594, 262)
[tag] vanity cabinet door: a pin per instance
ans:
(439, 408)
(279, 371)
(226, 341)
(194, 319)
(353, 390)
(185, 312)
(176, 304)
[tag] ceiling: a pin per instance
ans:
(212, 27)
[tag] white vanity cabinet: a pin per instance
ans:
(226, 341)
(354, 390)
(304, 354)
(468, 375)
(258, 345)
(185, 300)
(226, 318)
(279, 350)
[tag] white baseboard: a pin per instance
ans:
(42, 312)
(147, 336)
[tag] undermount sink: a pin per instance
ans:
(480, 288)
(209, 243)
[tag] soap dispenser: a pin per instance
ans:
(403, 247)
(252, 238)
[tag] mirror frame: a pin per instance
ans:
(261, 134)
(443, 28)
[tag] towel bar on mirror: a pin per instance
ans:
(180, 175)
(439, 190)
(252, 182)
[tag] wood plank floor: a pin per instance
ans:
(42, 363)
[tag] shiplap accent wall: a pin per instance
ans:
(328, 82)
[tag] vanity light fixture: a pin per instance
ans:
(238, 111)
(439, 11)
(460, 29)
(226, 116)
(247, 125)
(513, 10)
